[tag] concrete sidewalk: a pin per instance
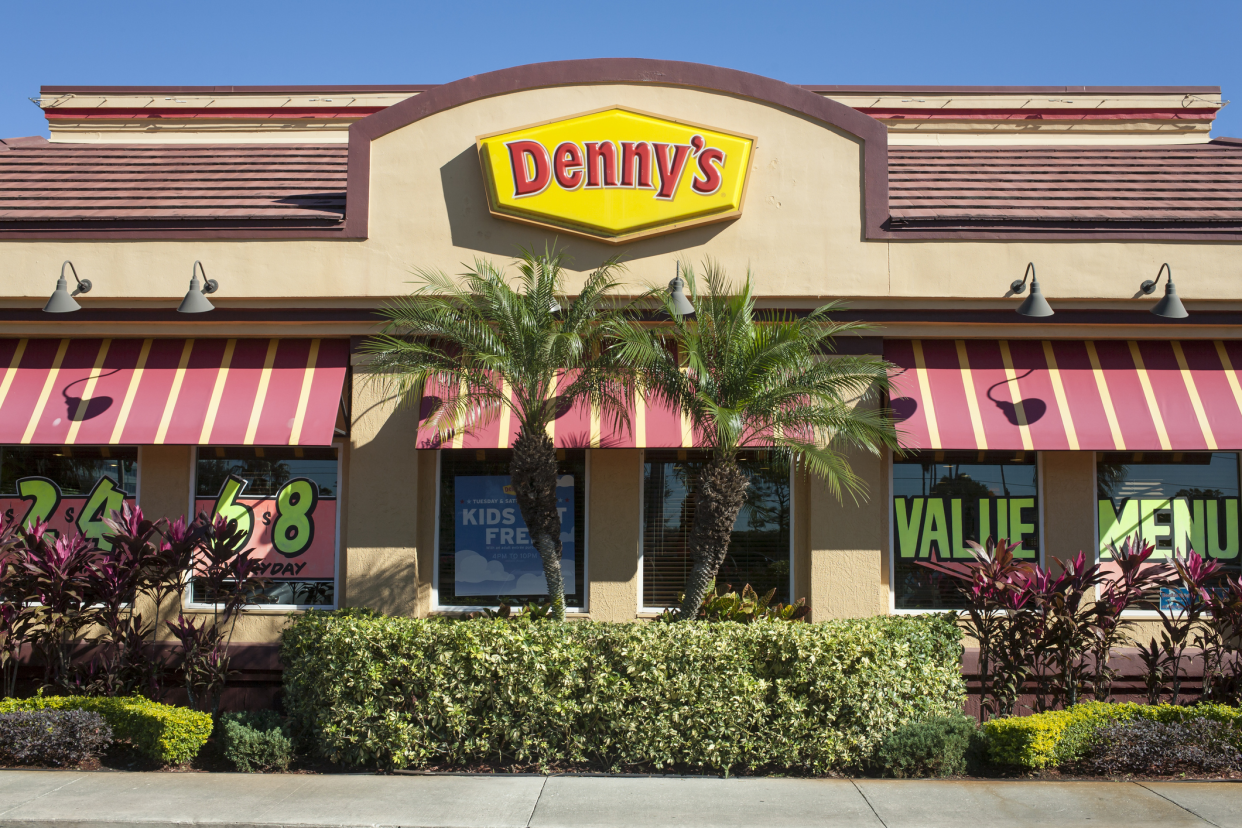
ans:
(67, 799)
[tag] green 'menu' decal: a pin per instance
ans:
(943, 525)
(1208, 526)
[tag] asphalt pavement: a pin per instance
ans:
(69, 799)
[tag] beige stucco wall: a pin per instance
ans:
(614, 539)
(849, 544)
(380, 561)
(800, 230)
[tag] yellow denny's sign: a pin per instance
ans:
(616, 174)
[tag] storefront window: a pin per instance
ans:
(759, 552)
(1178, 501)
(485, 553)
(941, 500)
(72, 488)
(286, 498)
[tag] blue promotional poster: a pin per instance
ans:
(493, 554)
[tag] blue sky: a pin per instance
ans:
(226, 42)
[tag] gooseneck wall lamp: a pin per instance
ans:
(1170, 307)
(62, 300)
(677, 295)
(1035, 304)
(195, 300)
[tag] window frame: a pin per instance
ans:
(892, 540)
(1133, 614)
(457, 609)
(337, 443)
(644, 611)
(136, 495)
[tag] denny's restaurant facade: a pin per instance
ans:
(918, 206)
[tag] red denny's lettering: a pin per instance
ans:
(634, 165)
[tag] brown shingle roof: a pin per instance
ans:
(105, 186)
(1199, 184)
(281, 185)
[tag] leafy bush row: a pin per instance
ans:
(1146, 746)
(167, 734)
(363, 689)
(1060, 737)
(256, 741)
(52, 737)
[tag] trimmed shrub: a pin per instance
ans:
(1047, 740)
(167, 734)
(363, 689)
(256, 741)
(1146, 746)
(936, 747)
(52, 737)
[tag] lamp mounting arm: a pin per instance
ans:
(84, 285)
(209, 285)
(1019, 285)
(1149, 287)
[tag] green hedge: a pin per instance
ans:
(167, 734)
(1046, 740)
(397, 692)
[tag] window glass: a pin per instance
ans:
(759, 548)
(286, 497)
(485, 553)
(1175, 500)
(73, 488)
(941, 500)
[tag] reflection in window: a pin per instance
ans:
(74, 489)
(75, 469)
(286, 497)
(1176, 500)
(485, 554)
(759, 549)
(941, 500)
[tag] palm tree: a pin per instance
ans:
(745, 377)
(479, 336)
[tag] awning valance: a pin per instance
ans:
(652, 425)
(170, 391)
(1102, 395)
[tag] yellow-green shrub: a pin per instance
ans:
(167, 734)
(363, 689)
(1046, 740)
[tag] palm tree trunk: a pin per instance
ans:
(718, 498)
(533, 471)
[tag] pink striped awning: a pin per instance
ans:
(171, 391)
(1103, 395)
(651, 426)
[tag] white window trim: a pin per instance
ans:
(892, 549)
(454, 609)
(260, 609)
(642, 524)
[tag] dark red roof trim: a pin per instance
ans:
(214, 113)
(223, 90)
(861, 90)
